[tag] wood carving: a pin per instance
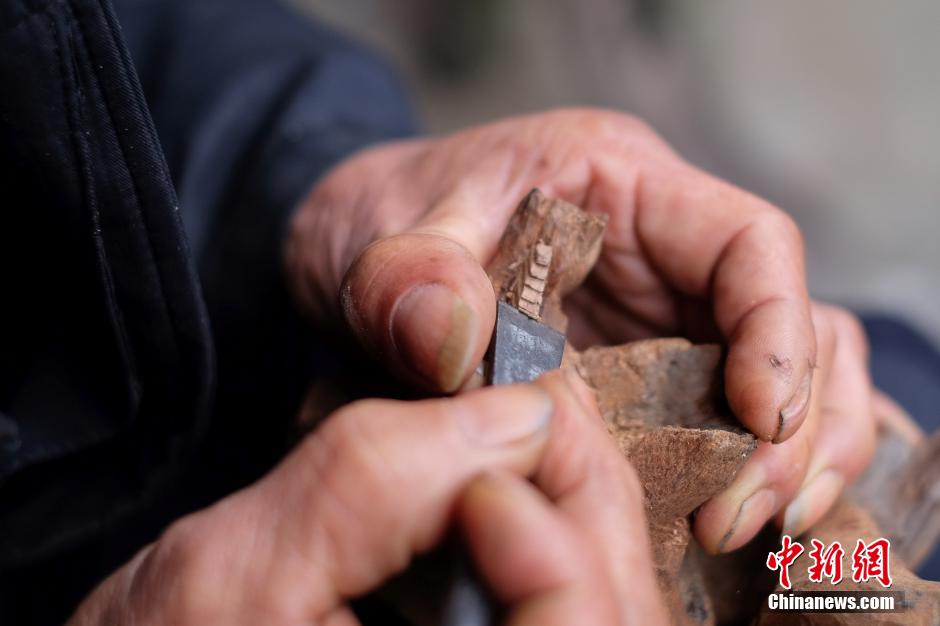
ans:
(575, 241)
(661, 399)
(531, 280)
(663, 403)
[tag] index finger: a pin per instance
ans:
(595, 488)
(534, 559)
(708, 238)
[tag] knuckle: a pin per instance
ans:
(350, 455)
(515, 146)
(358, 477)
(348, 441)
(186, 554)
(850, 329)
(619, 122)
(841, 330)
(182, 546)
(638, 126)
(782, 225)
(786, 464)
(598, 122)
(852, 450)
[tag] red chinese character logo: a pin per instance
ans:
(826, 562)
(783, 559)
(872, 561)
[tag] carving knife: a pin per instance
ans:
(522, 349)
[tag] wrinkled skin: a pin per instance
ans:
(403, 230)
(341, 514)
(394, 240)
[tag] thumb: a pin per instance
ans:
(422, 303)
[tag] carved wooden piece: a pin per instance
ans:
(901, 490)
(664, 405)
(662, 399)
(531, 281)
(575, 241)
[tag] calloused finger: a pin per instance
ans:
(711, 239)
(596, 489)
(347, 509)
(772, 475)
(845, 438)
(533, 559)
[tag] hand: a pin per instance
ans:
(410, 225)
(798, 480)
(379, 482)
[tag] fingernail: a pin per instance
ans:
(526, 411)
(753, 514)
(477, 379)
(434, 332)
(813, 499)
(791, 415)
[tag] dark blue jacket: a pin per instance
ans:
(150, 154)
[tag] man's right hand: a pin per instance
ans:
(381, 481)
(399, 235)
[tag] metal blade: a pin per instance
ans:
(523, 349)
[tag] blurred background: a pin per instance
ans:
(827, 109)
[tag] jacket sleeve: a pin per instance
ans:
(252, 102)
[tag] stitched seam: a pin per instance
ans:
(133, 177)
(87, 186)
(89, 200)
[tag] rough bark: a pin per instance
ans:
(901, 490)
(663, 403)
